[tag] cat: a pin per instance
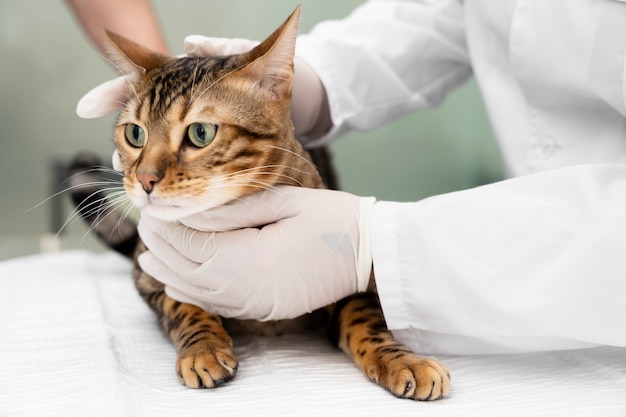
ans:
(197, 133)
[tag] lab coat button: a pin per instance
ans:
(544, 147)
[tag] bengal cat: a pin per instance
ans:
(199, 132)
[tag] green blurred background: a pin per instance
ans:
(47, 63)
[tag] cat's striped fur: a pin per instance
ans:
(247, 98)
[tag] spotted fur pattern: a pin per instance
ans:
(247, 98)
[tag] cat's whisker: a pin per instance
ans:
(73, 188)
(74, 216)
(104, 207)
(110, 187)
(270, 167)
(93, 207)
(244, 183)
(102, 217)
(80, 212)
(114, 207)
(76, 186)
(251, 172)
(308, 162)
(245, 178)
(84, 209)
(287, 177)
(261, 185)
(97, 168)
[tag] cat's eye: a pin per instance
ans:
(135, 135)
(201, 134)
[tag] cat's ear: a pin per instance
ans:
(133, 58)
(272, 60)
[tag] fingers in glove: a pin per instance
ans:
(175, 286)
(157, 234)
(198, 45)
(185, 249)
(105, 99)
(153, 266)
(254, 210)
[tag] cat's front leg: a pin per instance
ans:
(205, 350)
(361, 332)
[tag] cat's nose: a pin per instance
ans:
(147, 180)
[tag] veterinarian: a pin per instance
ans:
(534, 262)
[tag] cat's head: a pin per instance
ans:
(199, 132)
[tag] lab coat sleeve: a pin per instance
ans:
(386, 59)
(533, 263)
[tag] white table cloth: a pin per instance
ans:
(76, 339)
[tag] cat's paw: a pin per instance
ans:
(408, 375)
(199, 368)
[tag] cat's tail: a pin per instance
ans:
(89, 192)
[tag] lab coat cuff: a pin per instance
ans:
(364, 258)
(387, 264)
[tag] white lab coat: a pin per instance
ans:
(534, 262)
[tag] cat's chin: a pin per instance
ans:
(167, 213)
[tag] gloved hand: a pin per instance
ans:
(312, 248)
(310, 110)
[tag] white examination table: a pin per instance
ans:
(76, 339)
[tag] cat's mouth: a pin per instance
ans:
(166, 212)
(174, 209)
(159, 207)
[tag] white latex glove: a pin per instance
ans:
(309, 104)
(313, 249)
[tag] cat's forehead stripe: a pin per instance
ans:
(178, 77)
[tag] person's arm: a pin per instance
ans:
(385, 60)
(533, 263)
(134, 19)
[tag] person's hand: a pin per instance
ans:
(310, 110)
(272, 255)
